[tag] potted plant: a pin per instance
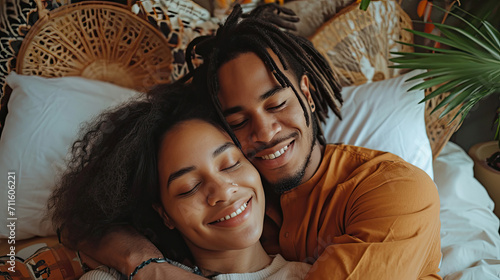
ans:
(466, 69)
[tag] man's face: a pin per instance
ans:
(269, 121)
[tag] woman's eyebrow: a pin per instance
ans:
(179, 173)
(222, 148)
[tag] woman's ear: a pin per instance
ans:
(164, 216)
(304, 87)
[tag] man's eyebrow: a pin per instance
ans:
(178, 174)
(264, 96)
(270, 93)
(222, 148)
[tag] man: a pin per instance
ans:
(351, 212)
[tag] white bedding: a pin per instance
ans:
(469, 230)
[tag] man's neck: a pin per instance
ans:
(315, 161)
(250, 259)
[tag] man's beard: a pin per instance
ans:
(293, 181)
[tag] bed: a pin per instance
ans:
(53, 92)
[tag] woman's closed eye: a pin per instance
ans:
(232, 167)
(190, 191)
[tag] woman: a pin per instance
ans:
(165, 166)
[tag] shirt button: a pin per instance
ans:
(286, 234)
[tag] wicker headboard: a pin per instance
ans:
(96, 40)
(358, 45)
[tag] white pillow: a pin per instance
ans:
(384, 116)
(43, 121)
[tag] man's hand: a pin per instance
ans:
(275, 14)
(124, 249)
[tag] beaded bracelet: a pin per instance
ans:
(144, 263)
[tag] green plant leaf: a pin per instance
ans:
(464, 110)
(468, 40)
(421, 76)
(457, 39)
(471, 26)
(426, 47)
(497, 133)
(364, 4)
(432, 82)
(492, 32)
(455, 100)
(469, 69)
(431, 61)
(443, 89)
(435, 38)
(453, 94)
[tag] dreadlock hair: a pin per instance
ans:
(112, 177)
(251, 34)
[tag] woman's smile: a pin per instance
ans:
(235, 218)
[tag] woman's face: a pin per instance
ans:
(209, 191)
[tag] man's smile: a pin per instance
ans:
(276, 154)
(274, 158)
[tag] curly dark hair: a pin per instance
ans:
(250, 33)
(112, 177)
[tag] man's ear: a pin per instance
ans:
(164, 216)
(304, 87)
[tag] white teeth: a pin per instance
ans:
(235, 213)
(277, 154)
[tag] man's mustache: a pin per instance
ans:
(251, 153)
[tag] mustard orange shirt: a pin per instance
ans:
(365, 214)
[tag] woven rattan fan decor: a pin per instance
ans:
(96, 40)
(357, 45)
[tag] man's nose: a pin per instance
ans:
(264, 129)
(220, 190)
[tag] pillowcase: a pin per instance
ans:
(42, 124)
(384, 116)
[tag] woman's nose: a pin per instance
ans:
(220, 191)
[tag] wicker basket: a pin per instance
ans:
(358, 44)
(439, 130)
(96, 40)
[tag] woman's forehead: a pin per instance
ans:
(192, 137)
